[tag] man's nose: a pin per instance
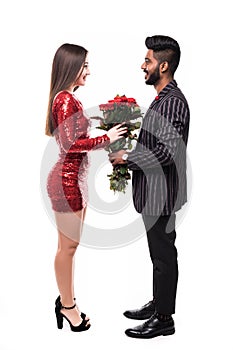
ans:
(143, 66)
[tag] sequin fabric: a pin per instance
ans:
(67, 181)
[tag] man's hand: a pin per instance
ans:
(116, 158)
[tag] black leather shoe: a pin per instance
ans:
(152, 328)
(145, 312)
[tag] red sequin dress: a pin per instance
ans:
(67, 181)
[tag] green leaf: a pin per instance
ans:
(123, 170)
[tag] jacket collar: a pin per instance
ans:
(166, 89)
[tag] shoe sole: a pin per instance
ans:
(165, 332)
(140, 318)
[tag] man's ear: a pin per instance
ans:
(164, 67)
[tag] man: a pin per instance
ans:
(159, 182)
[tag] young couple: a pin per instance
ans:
(158, 163)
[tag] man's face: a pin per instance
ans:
(151, 68)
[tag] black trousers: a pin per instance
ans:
(161, 237)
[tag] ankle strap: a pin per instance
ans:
(68, 307)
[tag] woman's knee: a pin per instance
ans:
(68, 250)
(71, 249)
(66, 245)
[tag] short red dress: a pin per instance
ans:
(67, 181)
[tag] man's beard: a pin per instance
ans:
(154, 77)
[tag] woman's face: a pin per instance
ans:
(83, 73)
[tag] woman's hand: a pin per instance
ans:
(116, 132)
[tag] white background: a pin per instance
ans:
(110, 281)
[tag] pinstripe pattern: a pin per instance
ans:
(159, 159)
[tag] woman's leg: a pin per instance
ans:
(81, 230)
(69, 232)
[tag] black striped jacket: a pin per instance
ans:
(159, 159)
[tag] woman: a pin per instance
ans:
(67, 187)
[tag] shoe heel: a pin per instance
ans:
(169, 332)
(59, 321)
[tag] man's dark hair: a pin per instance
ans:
(165, 49)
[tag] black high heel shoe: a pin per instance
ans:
(58, 304)
(80, 328)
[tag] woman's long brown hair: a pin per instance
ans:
(67, 63)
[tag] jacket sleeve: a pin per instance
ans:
(72, 128)
(168, 131)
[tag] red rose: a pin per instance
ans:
(109, 106)
(131, 100)
(106, 107)
(124, 98)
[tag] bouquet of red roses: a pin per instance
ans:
(120, 110)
